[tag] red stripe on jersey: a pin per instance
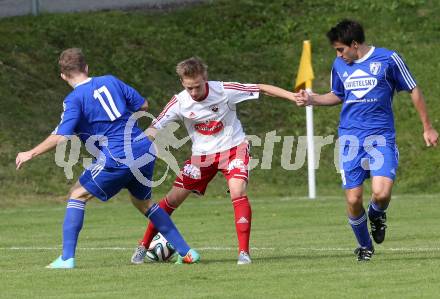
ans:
(170, 103)
(243, 89)
(236, 84)
(240, 85)
(167, 107)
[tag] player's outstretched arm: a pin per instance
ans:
(43, 147)
(274, 91)
(429, 133)
(304, 98)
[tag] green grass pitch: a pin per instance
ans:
(301, 249)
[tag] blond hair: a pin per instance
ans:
(192, 67)
(72, 61)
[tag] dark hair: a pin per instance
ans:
(72, 61)
(346, 32)
(192, 67)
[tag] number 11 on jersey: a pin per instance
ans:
(111, 111)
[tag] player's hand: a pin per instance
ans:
(294, 96)
(431, 137)
(303, 98)
(23, 157)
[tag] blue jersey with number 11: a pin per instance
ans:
(366, 88)
(101, 107)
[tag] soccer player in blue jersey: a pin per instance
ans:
(100, 108)
(364, 79)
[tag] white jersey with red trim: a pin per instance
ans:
(211, 123)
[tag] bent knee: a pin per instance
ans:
(237, 193)
(177, 196)
(382, 196)
(237, 188)
(78, 192)
(354, 201)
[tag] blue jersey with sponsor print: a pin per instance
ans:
(100, 107)
(366, 88)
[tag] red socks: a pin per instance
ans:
(243, 218)
(151, 230)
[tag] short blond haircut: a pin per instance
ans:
(192, 67)
(72, 61)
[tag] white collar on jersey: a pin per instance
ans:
(83, 82)
(366, 56)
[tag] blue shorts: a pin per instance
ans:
(104, 182)
(373, 161)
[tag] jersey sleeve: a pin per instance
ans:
(169, 114)
(237, 92)
(400, 74)
(336, 84)
(133, 98)
(69, 118)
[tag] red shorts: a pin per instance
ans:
(200, 170)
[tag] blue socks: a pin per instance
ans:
(360, 229)
(73, 222)
(74, 218)
(163, 223)
(374, 211)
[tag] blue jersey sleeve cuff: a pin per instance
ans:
(141, 103)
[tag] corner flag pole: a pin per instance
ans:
(35, 7)
(304, 81)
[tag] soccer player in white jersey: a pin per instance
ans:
(364, 79)
(208, 111)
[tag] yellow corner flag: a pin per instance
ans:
(305, 70)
